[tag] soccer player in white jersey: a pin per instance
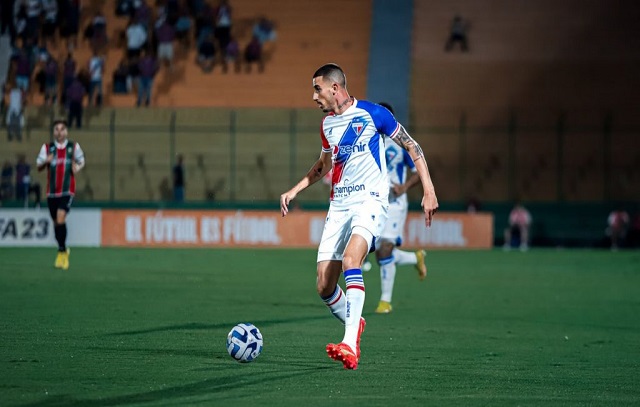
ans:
(352, 144)
(399, 165)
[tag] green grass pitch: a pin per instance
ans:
(147, 327)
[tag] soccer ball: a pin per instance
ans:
(244, 342)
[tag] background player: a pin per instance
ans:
(63, 159)
(353, 146)
(399, 165)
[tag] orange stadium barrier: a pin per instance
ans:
(176, 228)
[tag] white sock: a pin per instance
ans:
(337, 303)
(387, 277)
(403, 257)
(355, 303)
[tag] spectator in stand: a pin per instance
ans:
(142, 13)
(148, 67)
(253, 54)
(70, 22)
(207, 54)
(51, 73)
(204, 23)
(23, 69)
(231, 55)
(6, 182)
(121, 79)
(223, 24)
(68, 74)
(96, 73)
(15, 113)
(75, 96)
(183, 24)
(458, 34)
(96, 32)
(24, 186)
(264, 29)
(617, 227)
(166, 34)
(33, 8)
(136, 39)
(519, 223)
(20, 22)
(50, 25)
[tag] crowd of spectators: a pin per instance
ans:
(148, 44)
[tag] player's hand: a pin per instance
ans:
(49, 159)
(284, 202)
(75, 168)
(398, 189)
(430, 206)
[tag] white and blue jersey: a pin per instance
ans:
(355, 140)
(399, 165)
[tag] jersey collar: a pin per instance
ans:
(61, 145)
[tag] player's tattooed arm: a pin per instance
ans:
(404, 140)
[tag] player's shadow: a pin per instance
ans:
(196, 326)
(173, 394)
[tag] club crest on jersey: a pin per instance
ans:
(358, 126)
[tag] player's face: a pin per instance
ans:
(324, 94)
(60, 132)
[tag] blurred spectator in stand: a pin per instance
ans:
(24, 187)
(75, 96)
(121, 79)
(264, 30)
(519, 224)
(23, 69)
(20, 22)
(617, 227)
(165, 34)
(231, 55)
(15, 113)
(70, 21)
(473, 205)
(178, 180)
(96, 73)
(207, 54)
(222, 24)
(458, 34)
(6, 19)
(96, 32)
(183, 25)
(68, 75)
(148, 69)
(50, 25)
(204, 23)
(253, 54)
(136, 39)
(142, 13)
(51, 73)
(33, 8)
(6, 182)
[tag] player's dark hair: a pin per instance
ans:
(387, 106)
(59, 121)
(333, 72)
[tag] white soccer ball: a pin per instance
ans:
(244, 342)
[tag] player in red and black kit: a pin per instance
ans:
(62, 158)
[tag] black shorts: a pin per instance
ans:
(59, 202)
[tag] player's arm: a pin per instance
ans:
(315, 174)
(43, 159)
(399, 189)
(429, 199)
(78, 159)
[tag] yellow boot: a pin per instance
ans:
(58, 263)
(420, 266)
(65, 259)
